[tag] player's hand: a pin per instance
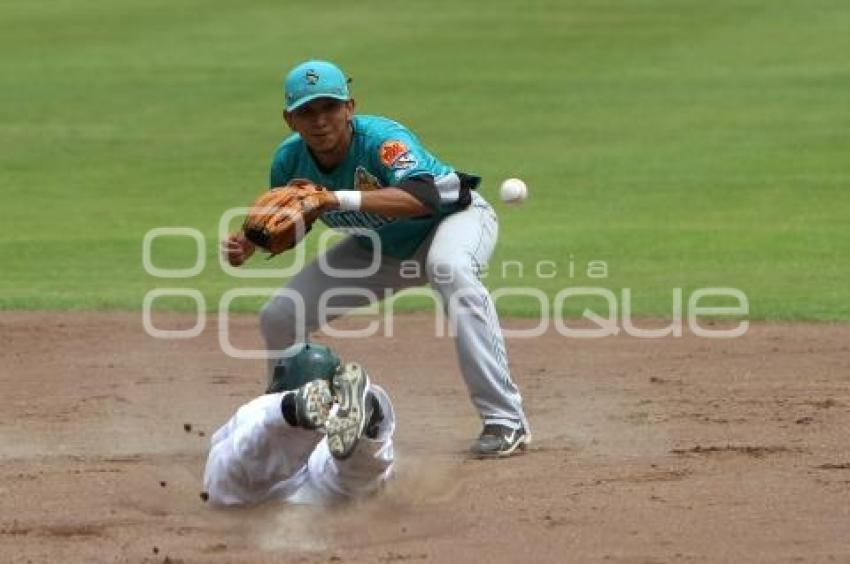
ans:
(317, 202)
(237, 249)
(320, 202)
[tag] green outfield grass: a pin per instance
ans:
(685, 144)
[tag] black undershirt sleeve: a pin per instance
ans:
(422, 188)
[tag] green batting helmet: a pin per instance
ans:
(302, 363)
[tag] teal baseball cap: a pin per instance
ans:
(314, 79)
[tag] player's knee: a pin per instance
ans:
(450, 274)
(277, 319)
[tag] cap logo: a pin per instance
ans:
(312, 77)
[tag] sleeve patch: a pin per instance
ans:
(396, 155)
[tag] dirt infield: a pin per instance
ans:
(666, 450)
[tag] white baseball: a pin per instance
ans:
(513, 191)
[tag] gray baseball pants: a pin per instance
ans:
(450, 260)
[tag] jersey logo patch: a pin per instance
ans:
(396, 155)
(364, 181)
(392, 150)
(404, 161)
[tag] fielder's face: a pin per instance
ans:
(324, 126)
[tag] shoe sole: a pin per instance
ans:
(315, 405)
(345, 427)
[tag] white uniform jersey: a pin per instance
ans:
(257, 456)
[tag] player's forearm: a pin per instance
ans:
(392, 202)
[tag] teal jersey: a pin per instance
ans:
(382, 153)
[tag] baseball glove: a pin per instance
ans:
(281, 217)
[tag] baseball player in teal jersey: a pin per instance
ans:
(421, 209)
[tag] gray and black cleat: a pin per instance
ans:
(499, 440)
